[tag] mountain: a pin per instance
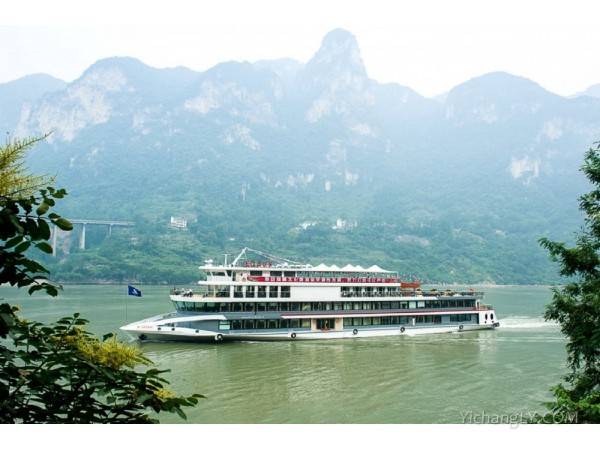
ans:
(314, 161)
(592, 91)
(17, 96)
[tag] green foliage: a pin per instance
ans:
(24, 223)
(62, 374)
(576, 307)
(15, 181)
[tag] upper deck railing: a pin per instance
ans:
(374, 279)
(399, 293)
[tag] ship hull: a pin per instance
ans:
(187, 335)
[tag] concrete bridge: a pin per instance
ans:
(84, 222)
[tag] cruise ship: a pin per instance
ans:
(259, 296)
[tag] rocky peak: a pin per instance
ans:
(338, 57)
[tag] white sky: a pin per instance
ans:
(428, 45)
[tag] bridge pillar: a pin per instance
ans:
(54, 239)
(82, 237)
(110, 229)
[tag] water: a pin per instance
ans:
(424, 379)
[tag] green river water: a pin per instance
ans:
(425, 379)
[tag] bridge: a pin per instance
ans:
(84, 223)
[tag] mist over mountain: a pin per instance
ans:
(592, 91)
(314, 161)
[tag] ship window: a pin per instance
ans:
(324, 324)
(376, 320)
(295, 306)
(272, 306)
(289, 274)
(285, 291)
(237, 307)
(486, 316)
(283, 306)
(492, 316)
(305, 306)
(357, 305)
(276, 273)
(366, 305)
(337, 306)
(248, 307)
(273, 291)
(224, 325)
(249, 324)
(238, 291)
(395, 305)
(284, 323)
(357, 321)
(249, 291)
(255, 273)
(347, 321)
(271, 324)
(261, 324)
(305, 323)
(261, 306)
(385, 305)
(236, 324)
(294, 323)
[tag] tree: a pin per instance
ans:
(15, 180)
(576, 307)
(60, 373)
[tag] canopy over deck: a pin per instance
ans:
(242, 262)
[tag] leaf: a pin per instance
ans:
(63, 224)
(51, 290)
(42, 209)
(44, 246)
(22, 247)
(12, 242)
(44, 229)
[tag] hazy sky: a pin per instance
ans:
(428, 45)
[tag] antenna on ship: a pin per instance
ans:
(276, 259)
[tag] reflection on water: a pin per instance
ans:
(396, 379)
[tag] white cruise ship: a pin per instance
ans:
(262, 297)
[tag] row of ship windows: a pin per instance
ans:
(320, 306)
(259, 324)
(284, 291)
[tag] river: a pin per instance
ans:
(425, 379)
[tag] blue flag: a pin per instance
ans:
(133, 291)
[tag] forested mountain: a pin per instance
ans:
(312, 161)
